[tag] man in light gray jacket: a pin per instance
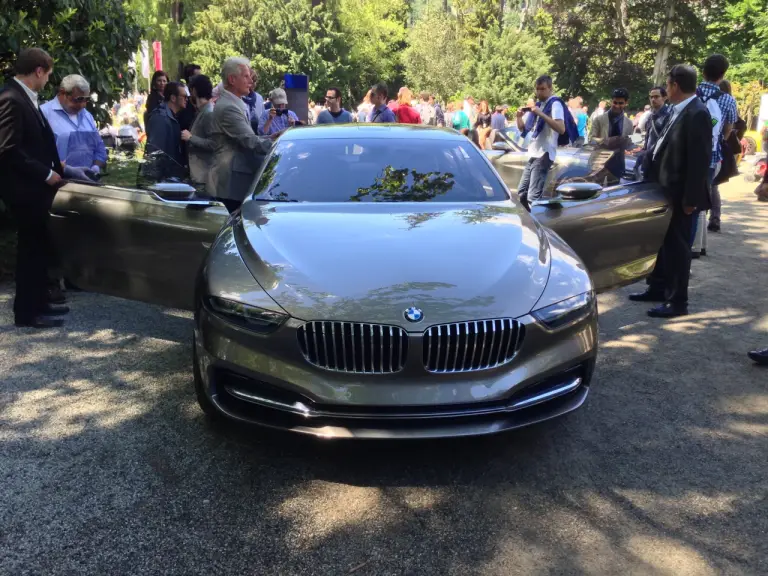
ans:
(199, 139)
(239, 152)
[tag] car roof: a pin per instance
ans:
(379, 131)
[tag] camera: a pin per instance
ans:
(526, 109)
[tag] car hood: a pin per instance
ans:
(369, 262)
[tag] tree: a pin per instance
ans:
(434, 58)
(280, 37)
(171, 22)
(376, 34)
(94, 38)
(512, 61)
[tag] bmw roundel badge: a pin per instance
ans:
(414, 314)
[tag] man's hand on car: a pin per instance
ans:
(75, 173)
(53, 179)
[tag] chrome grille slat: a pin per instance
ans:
(381, 347)
(357, 338)
(489, 343)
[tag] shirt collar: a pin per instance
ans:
(31, 94)
(227, 94)
(56, 105)
(680, 106)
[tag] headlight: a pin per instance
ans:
(566, 311)
(249, 317)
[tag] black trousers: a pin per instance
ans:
(672, 271)
(33, 256)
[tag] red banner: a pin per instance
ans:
(157, 48)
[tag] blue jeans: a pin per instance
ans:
(534, 178)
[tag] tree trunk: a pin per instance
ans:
(665, 42)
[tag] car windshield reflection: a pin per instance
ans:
(376, 170)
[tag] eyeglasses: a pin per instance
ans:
(80, 99)
(330, 97)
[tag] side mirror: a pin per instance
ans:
(578, 190)
(502, 146)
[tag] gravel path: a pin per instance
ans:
(108, 467)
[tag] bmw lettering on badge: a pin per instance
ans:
(413, 314)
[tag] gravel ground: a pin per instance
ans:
(108, 467)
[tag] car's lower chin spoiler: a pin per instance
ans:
(299, 408)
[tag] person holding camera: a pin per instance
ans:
(545, 122)
(278, 118)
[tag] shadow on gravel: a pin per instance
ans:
(109, 466)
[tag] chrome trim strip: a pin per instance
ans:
(575, 383)
(304, 410)
(391, 348)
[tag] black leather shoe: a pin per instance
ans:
(40, 322)
(53, 310)
(668, 310)
(647, 296)
(56, 296)
(713, 227)
(759, 356)
(695, 255)
(703, 251)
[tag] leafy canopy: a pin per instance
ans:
(93, 38)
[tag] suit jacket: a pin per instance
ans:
(601, 128)
(201, 145)
(27, 150)
(681, 164)
(239, 151)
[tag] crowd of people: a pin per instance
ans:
(221, 133)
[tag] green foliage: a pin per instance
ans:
(748, 99)
(285, 36)
(434, 59)
(476, 17)
(94, 38)
(511, 63)
(376, 34)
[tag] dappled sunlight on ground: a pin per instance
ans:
(668, 556)
(109, 467)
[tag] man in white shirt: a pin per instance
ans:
(546, 121)
(32, 171)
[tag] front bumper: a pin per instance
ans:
(266, 381)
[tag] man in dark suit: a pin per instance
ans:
(32, 171)
(679, 162)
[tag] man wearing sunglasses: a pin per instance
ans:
(77, 137)
(334, 113)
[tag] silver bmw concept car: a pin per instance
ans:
(380, 281)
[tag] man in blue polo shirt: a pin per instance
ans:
(380, 112)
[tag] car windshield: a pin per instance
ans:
(378, 170)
